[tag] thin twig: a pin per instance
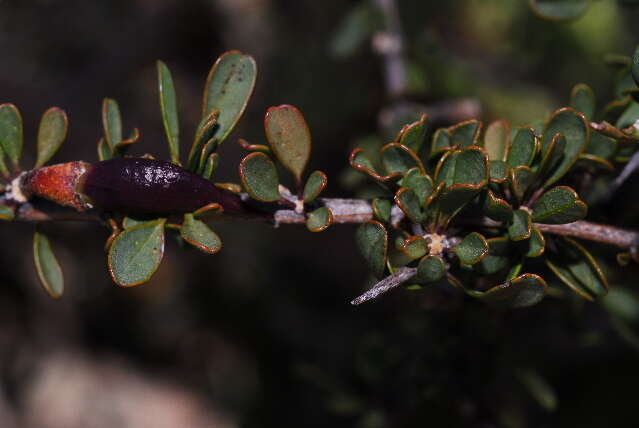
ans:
(399, 277)
(353, 211)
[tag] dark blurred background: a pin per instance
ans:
(262, 334)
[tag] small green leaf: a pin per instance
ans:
(361, 161)
(397, 158)
(602, 146)
(521, 178)
(472, 248)
(441, 142)
(535, 246)
(47, 266)
(211, 165)
(469, 166)
(372, 240)
(456, 197)
(524, 147)
(497, 209)
(559, 205)
(419, 182)
(413, 135)
(521, 226)
(319, 219)
(525, 290)
(498, 171)
(430, 269)
(382, 209)
(168, 106)
(559, 10)
(551, 156)
(6, 213)
(496, 140)
(136, 253)
(11, 133)
(498, 257)
(577, 268)
(582, 99)
(112, 122)
(198, 234)
(408, 201)
(289, 137)
(315, 185)
(228, 89)
(51, 134)
(414, 247)
(629, 116)
(207, 150)
(465, 134)
(259, 177)
(574, 127)
(104, 151)
(207, 131)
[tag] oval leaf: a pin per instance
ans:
(314, 186)
(47, 266)
(521, 226)
(496, 140)
(112, 122)
(229, 86)
(414, 247)
(399, 159)
(372, 240)
(382, 209)
(288, 135)
(524, 147)
(525, 290)
(465, 134)
(572, 125)
(408, 202)
(413, 135)
(472, 248)
(168, 106)
(136, 253)
(430, 269)
(497, 209)
(582, 99)
(559, 205)
(11, 132)
(319, 219)
(259, 177)
(198, 234)
(51, 134)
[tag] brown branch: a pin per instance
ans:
(354, 211)
(602, 233)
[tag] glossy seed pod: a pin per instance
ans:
(129, 186)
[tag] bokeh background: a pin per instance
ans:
(262, 334)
